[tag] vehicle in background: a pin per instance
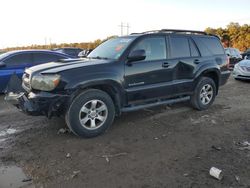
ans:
(246, 54)
(73, 52)
(234, 56)
(16, 62)
(126, 74)
(242, 70)
(84, 53)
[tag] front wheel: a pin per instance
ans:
(91, 113)
(204, 94)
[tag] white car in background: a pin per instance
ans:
(242, 70)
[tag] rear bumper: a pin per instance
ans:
(37, 104)
(224, 77)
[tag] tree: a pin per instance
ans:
(234, 35)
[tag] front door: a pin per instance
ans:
(149, 78)
(14, 64)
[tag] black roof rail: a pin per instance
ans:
(174, 31)
(183, 31)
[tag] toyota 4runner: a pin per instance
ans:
(125, 74)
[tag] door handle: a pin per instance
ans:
(197, 61)
(165, 64)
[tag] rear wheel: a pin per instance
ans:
(204, 94)
(91, 113)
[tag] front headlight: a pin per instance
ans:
(243, 68)
(45, 82)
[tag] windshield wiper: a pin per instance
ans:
(98, 57)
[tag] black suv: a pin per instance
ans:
(125, 74)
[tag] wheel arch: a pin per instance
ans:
(211, 73)
(113, 89)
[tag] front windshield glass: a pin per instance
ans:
(2, 56)
(111, 49)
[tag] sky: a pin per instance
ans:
(26, 22)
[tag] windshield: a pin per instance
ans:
(111, 49)
(2, 56)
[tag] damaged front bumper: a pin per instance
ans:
(42, 103)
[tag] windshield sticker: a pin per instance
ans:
(119, 48)
(125, 40)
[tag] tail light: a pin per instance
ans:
(228, 62)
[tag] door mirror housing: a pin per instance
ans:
(2, 64)
(137, 55)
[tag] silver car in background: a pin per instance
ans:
(242, 70)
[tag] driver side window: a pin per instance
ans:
(155, 48)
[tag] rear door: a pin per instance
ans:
(149, 78)
(184, 58)
(14, 64)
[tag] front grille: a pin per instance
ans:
(248, 69)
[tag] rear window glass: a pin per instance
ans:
(210, 46)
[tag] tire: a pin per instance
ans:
(205, 88)
(90, 113)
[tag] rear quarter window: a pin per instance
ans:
(209, 46)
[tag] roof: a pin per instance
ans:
(36, 50)
(175, 31)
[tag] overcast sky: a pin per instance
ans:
(25, 22)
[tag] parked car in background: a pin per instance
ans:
(234, 56)
(73, 52)
(125, 74)
(17, 61)
(84, 53)
(246, 54)
(242, 70)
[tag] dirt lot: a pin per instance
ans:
(160, 147)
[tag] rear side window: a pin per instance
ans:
(154, 47)
(71, 52)
(19, 59)
(209, 46)
(45, 58)
(179, 47)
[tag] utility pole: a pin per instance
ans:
(128, 28)
(122, 26)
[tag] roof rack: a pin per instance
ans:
(174, 31)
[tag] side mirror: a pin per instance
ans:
(137, 55)
(2, 64)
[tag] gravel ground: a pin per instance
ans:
(168, 146)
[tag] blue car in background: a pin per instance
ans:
(17, 61)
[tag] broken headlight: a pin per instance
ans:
(45, 82)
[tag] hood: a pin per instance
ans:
(56, 67)
(245, 63)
